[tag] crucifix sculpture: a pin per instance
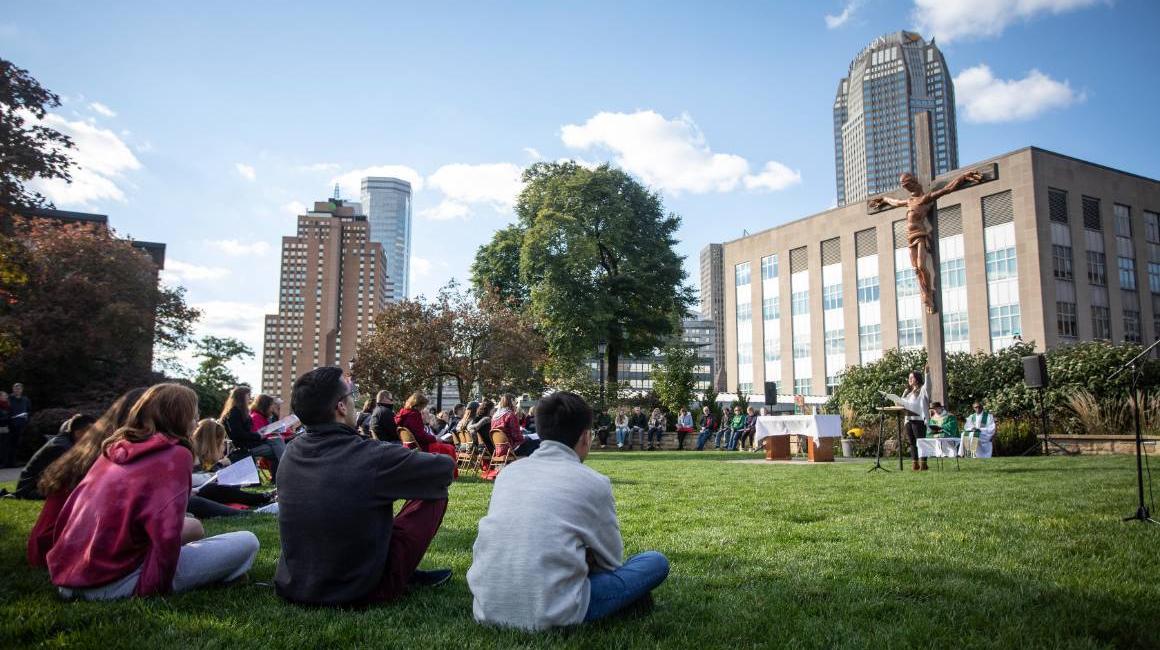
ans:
(920, 239)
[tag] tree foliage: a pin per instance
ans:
(86, 312)
(28, 148)
(214, 379)
(478, 340)
(596, 263)
(673, 378)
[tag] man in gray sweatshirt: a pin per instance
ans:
(549, 551)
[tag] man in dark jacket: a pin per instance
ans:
(19, 412)
(382, 422)
(637, 425)
(336, 489)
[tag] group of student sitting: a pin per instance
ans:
(731, 432)
(548, 553)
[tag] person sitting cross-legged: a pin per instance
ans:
(549, 552)
(340, 543)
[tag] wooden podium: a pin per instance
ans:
(823, 453)
(776, 447)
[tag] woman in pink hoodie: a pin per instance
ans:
(119, 533)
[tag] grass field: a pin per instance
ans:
(1008, 553)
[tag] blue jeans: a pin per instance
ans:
(734, 435)
(271, 449)
(702, 438)
(612, 591)
(621, 434)
(655, 434)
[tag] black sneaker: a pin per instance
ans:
(434, 578)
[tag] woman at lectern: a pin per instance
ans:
(916, 399)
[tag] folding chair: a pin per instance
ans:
(504, 453)
(408, 439)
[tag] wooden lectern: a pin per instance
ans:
(820, 453)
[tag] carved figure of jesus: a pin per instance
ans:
(919, 229)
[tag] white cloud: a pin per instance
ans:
(244, 320)
(774, 176)
(668, 154)
(445, 211)
(100, 108)
(350, 183)
(295, 208)
(492, 184)
(246, 171)
(986, 99)
(420, 266)
(235, 248)
(101, 158)
(834, 22)
(948, 20)
(176, 272)
(533, 153)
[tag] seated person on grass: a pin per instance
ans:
(340, 543)
(549, 551)
(70, 432)
(123, 531)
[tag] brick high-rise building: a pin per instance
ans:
(334, 281)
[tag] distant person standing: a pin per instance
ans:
(916, 399)
(19, 410)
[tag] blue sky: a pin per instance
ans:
(207, 125)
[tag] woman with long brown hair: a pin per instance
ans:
(62, 476)
(411, 416)
(239, 426)
(120, 533)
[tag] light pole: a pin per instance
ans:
(601, 349)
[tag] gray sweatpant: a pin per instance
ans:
(221, 558)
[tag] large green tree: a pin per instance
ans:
(596, 264)
(28, 149)
(214, 379)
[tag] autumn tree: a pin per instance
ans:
(596, 264)
(88, 313)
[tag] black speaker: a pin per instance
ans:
(1035, 371)
(770, 393)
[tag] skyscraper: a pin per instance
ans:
(713, 305)
(894, 113)
(334, 280)
(387, 202)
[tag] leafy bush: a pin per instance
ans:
(1015, 437)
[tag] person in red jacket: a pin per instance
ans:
(411, 416)
(120, 533)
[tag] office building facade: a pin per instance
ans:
(897, 97)
(1054, 250)
(334, 281)
(700, 334)
(713, 305)
(387, 205)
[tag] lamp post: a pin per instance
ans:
(601, 349)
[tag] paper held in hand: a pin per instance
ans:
(243, 472)
(288, 423)
(897, 401)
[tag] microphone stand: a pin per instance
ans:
(1136, 367)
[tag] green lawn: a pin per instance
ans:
(1007, 552)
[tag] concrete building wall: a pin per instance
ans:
(1024, 177)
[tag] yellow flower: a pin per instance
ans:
(856, 432)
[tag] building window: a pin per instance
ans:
(955, 328)
(832, 297)
(769, 267)
(1131, 326)
(802, 386)
(1061, 262)
(741, 274)
(868, 289)
(910, 333)
(1154, 278)
(1091, 213)
(800, 303)
(1001, 264)
(744, 311)
(1152, 227)
(907, 282)
(835, 342)
(744, 353)
(1057, 205)
(1097, 268)
(954, 273)
(870, 338)
(1127, 273)
(771, 308)
(1123, 217)
(831, 384)
(801, 346)
(1065, 319)
(772, 350)
(1005, 321)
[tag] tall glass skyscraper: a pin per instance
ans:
(894, 113)
(387, 205)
